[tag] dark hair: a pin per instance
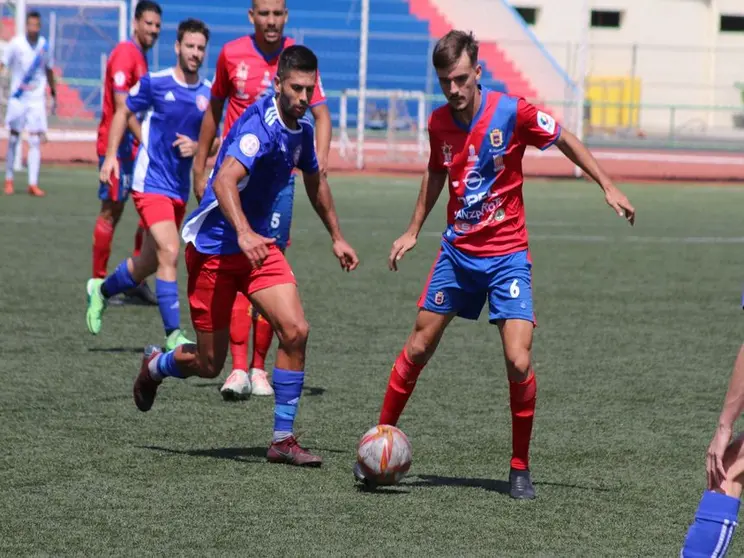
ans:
(33, 14)
(192, 25)
(449, 49)
(298, 58)
(147, 6)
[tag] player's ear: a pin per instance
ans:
(177, 48)
(250, 16)
(277, 84)
(478, 72)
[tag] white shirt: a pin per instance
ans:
(27, 74)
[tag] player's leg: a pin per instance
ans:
(36, 126)
(717, 513)
(113, 198)
(511, 308)
(212, 287)
(238, 383)
(15, 120)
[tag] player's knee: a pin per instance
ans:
(34, 140)
(168, 253)
(518, 363)
(293, 335)
(210, 368)
(420, 348)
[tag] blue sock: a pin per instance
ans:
(287, 392)
(166, 366)
(170, 312)
(119, 281)
(715, 520)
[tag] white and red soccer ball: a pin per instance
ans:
(384, 455)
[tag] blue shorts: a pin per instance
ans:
(461, 284)
(118, 190)
(281, 215)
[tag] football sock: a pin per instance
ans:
(400, 386)
(13, 141)
(240, 327)
(119, 281)
(522, 398)
(103, 236)
(34, 159)
(711, 532)
(170, 312)
(139, 237)
(287, 392)
(263, 334)
(163, 366)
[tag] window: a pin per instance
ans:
(732, 24)
(529, 15)
(606, 19)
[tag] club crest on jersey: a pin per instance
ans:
(296, 155)
(249, 145)
(473, 155)
(439, 298)
(242, 71)
(546, 122)
(202, 102)
(500, 214)
(496, 137)
(447, 153)
(120, 79)
(498, 163)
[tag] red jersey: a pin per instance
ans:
(245, 74)
(126, 65)
(485, 213)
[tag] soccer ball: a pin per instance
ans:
(383, 455)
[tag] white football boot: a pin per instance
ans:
(260, 384)
(237, 386)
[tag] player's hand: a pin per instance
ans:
(714, 458)
(255, 247)
(186, 146)
(109, 167)
(618, 202)
(404, 244)
(346, 255)
(200, 184)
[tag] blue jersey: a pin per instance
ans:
(269, 151)
(172, 107)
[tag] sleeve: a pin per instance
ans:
(221, 83)
(122, 71)
(250, 144)
(308, 161)
(318, 94)
(437, 148)
(8, 53)
(140, 96)
(536, 128)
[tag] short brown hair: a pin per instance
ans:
(449, 49)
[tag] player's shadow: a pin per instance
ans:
(306, 391)
(431, 481)
(244, 455)
(116, 350)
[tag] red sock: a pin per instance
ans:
(262, 336)
(522, 401)
(402, 380)
(103, 236)
(139, 236)
(240, 328)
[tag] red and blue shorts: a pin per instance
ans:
(215, 280)
(460, 283)
(118, 190)
(154, 208)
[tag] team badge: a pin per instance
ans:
(439, 298)
(447, 153)
(249, 145)
(296, 155)
(498, 163)
(202, 102)
(473, 156)
(242, 72)
(546, 122)
(496, 136)
(120, 79)
(500, 214)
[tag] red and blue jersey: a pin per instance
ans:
(485, 213)
(269, 151)
(172, 108)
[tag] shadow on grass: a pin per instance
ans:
(491, 485)
(306, 391)
(132, 350)
(255, 454)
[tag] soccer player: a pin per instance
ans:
(229, 250)
(477, 142)
(175, 101)
(717, 514)
(31, 70)
(126, 65)
(244, 74)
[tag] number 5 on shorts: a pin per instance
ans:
(276, 220)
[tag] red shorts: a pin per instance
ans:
(154, 208)
(215, 280)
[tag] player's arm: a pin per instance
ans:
(225, 185)
(323, 132)
(116, 133)
(135, 126)
(319, 193)
(578, 154)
